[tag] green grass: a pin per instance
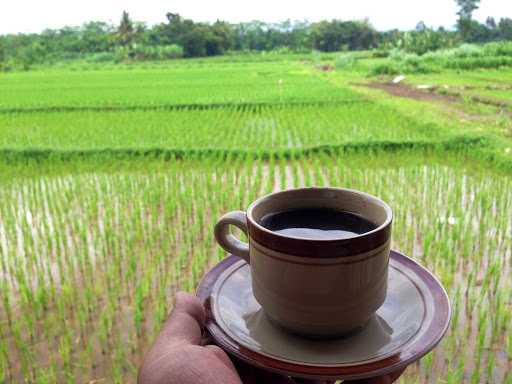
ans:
(252, 128)
(483, 84)
(178, 85)
(462, 114)
(465, 57)
(91, 259)
(476, 78)
(88, 63)
(112, 179)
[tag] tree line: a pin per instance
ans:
(182, 37)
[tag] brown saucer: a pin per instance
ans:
(410, 323)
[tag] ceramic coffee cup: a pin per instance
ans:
(313, 287)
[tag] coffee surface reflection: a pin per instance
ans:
(317, 223)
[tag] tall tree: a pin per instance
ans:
(490, 22)
(505, 28)
(465, 13)
(2, 52)
(343, 35)
(420, 26)
(125, 31)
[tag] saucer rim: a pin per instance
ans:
(417, 349)
(239, 264)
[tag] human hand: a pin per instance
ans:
(177, 356)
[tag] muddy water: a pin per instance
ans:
(86, 231)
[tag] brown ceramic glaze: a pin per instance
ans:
(314, 287)
(370, 207)
(433, 323)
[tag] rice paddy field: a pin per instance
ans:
(111, 181)
(183, 84)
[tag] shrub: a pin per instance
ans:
(412, 63)
(465, 57)
(466, 50)
(101, 57)
(499, 49)
(479, 62)
(140, 52)
(172, 51)
(389, 68)
(345, 62)
(380, 53)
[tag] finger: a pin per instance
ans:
(190, 304)
(185, 321)
(222, 356)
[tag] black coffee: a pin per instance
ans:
(317, 223)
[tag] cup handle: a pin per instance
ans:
(226, 240)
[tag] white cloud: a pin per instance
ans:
(35, 15)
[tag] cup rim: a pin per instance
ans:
(386, 223)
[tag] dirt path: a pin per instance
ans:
(449, 96)
(404, 90)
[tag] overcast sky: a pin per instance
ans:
(36, 15)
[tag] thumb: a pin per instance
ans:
(185, 321)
